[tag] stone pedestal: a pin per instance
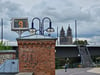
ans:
(37, 55)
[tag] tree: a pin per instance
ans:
(81, 42)
(3, 47)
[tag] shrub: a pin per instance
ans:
(3, 47)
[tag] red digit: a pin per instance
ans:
(20, 24)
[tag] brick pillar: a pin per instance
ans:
(37, 55)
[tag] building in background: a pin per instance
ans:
(66, 39)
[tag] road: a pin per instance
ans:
(75, 71)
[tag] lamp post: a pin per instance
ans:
(76, 32)
(41, 26)
(2, 30)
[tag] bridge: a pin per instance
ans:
(63, 51)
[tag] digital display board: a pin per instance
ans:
(19, 24)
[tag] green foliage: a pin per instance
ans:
(3, 47)
(57, 64)
(80, 42)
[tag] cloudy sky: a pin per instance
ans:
(61, 12)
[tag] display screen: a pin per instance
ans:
(20, 23)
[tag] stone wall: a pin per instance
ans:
(7, 54)
(37, 56)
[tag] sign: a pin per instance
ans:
(19, 24)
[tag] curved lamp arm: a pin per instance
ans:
(33, 22)
(32, 26)
(50, 29)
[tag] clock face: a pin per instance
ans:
(20, 23)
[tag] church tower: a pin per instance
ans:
(66, 39)
(69, 35)
(62, 37)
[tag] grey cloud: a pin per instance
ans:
(9, 10)
(96, 11)
(51, 8)
(61, 12)
(64, 11)
(68, 14)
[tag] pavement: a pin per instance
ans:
(72, 71)
(94, 70)
(79, 71)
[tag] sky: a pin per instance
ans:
(61, 13)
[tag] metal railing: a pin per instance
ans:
(85, 56)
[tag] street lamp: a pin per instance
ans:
(32, 29)
(41, 26)
(49, 29)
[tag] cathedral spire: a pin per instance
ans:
(65, 40)
(62, 29)
(69, 29)
(62, 32)
(69, 35)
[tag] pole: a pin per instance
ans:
(2, 30)
(57, 35)
(76, 31)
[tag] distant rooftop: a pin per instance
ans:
(76, 45)
(10, 43)
(8, 51)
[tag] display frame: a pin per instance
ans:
(14, 28)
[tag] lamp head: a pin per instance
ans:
(32, 31)
(50, 29)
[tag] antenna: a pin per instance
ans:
(2, 30)
(57, 31)
(57, 35)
